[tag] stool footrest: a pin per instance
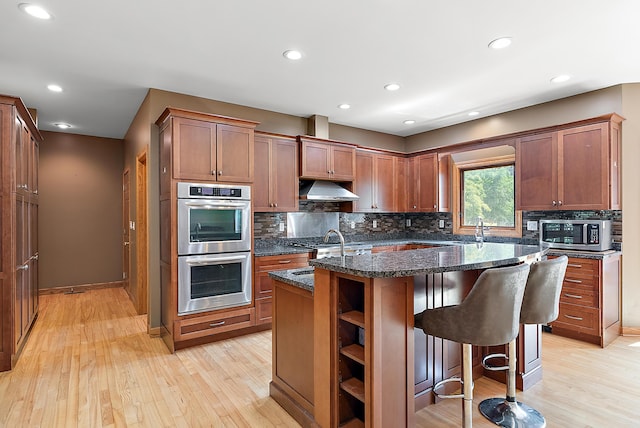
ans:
(442, 382)
(494, 368)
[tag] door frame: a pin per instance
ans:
(142, 235)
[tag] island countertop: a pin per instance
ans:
(431, 260)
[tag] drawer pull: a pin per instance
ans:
(573, 296)
(284, 262)
(574, 265)
(571, 317)
(575, 281)
(217, 324)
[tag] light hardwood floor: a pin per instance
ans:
(90, 363)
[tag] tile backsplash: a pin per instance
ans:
(359, 226)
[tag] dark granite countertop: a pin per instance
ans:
(594, 255)
(300, 277)
(278, 250)
(430, 260)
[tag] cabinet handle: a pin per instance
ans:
(23, 267)
(571, 317)
(329, 172)
(435, 207)
(164, 169)
(217, 324)
(275, 205)
(574, 265)
(414, 207)
(559, 202)
(213, 172)
(575, 281)
(573, 296)
(554, 203)
(284, 262)
(35, 192)
(220, 172)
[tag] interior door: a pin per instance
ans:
(126, 247)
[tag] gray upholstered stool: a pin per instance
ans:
(488, 316)
(540, 305)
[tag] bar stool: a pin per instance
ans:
(489, 315)
(540, 305)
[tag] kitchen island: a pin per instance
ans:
(364, 345)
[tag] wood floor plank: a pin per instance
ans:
(90, 363)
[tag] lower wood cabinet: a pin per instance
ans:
(590, 300)
(263, 286)
(213, 323)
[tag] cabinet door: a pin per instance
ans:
(427, 166)
(34, 164)
(343, 163)
(194, 152)
(262, 174)
(411, 185)
(583, 177)
(536, 172)
(284, 175)
(364, 183)
(384, 183)
(234, 154)
(21, 143)
(400, 186)
(316, 160)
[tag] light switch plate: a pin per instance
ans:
(281, 226)
(441, 224)
(353, 225)
(532, 225)
(375, 224)
(408, 222)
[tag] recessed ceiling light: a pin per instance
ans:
(62, 125)
(35, 11)
(560, 78)
(500, 43)
(409, 122)
(292, 55)
(54, 88)
(345, 106)
(474, 113)
(392, 86)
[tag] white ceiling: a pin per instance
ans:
(106, 54)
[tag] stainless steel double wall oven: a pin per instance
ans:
(214, 246)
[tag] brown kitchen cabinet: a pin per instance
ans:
(206, 147)
(198, 147)
(19, 145)
(326, 160)
(263, 284)
(590, 300)
(275, 186)
(422, 183)
(375, 182)
(570, 169)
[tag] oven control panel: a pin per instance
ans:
(213, 191)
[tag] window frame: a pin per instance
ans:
(457, 169)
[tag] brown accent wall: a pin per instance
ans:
(80, 213)
(366, 138)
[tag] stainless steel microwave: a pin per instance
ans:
(590, 235)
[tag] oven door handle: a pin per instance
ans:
(216, 204)
(209, 260)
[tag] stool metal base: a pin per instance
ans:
(512, 414)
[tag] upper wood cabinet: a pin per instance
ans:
(422, 183)
(375, 182)
(570, 169)
(276, 173)
(326, 160)
(206, 147)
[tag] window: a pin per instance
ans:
(485, 188)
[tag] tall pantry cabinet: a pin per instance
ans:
(19, 143)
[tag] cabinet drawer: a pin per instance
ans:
(580, 296)
(384, 249)
(264, 310)
(578, 318)
(266, 264)
(207, 325)
(583, 273)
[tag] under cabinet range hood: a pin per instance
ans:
(325, 191)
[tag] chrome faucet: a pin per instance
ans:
(337, 232)
(479, 230)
